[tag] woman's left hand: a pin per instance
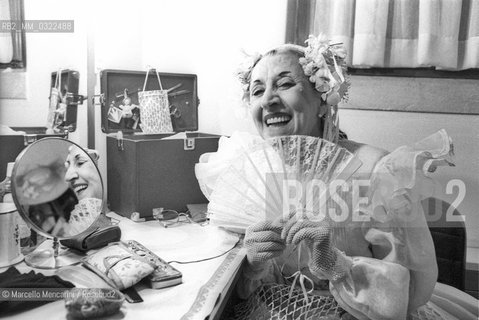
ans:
(318, 238)
(296, 230)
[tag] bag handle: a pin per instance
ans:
(58, 80)
(58, 84)
(146, 79)
(55, 85)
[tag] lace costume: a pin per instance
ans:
(388, 262)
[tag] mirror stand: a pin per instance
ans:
(49, 255)
(58, 191)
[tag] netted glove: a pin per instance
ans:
(263, 242)
(326, 261)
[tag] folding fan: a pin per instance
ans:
(278, 177)
(84, 214)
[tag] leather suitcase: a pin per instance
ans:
(147, 171)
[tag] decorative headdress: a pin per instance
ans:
(325, 66)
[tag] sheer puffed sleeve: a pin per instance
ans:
(212, 164)
(401, 274)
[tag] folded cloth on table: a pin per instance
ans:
(12, 278)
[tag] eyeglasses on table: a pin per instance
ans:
(168, 217)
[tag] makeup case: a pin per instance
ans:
(12, 143)
(148, 171)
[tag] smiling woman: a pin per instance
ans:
(82, 174)
(381, 267)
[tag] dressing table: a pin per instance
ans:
(206, 285)
(58, 191)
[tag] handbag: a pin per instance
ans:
(154, 110)
(98, 235)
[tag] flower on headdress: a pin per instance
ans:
(325, 66)
(339, 51)
(244, 70)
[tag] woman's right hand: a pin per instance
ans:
(263, 242)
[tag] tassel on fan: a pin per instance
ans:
(255, 186)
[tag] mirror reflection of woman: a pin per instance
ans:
(83, 177)
(82, 174)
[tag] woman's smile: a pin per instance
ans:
(79, 187)
(277, 119)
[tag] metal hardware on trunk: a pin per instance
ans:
(29, 138)
(101, 99)
(75, 99)
(189, 144)
(119, 141)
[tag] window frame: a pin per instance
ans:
(19, 36)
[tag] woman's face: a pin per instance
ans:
(82, 174)
(282, 100)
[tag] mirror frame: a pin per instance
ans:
(20, 208)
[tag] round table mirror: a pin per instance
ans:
(58, 190)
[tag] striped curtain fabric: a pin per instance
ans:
(402, 33)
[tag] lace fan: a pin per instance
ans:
(86, 211)
(277, 177)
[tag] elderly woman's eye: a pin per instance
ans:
(286, 84)
(79, 163)
(257, 92)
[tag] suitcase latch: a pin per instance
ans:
(29, 139)
(189, 144)
(119, 141)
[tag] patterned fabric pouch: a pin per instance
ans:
(154, 110)
(118, 265)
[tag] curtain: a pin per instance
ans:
(402, 33)
(6, 42)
